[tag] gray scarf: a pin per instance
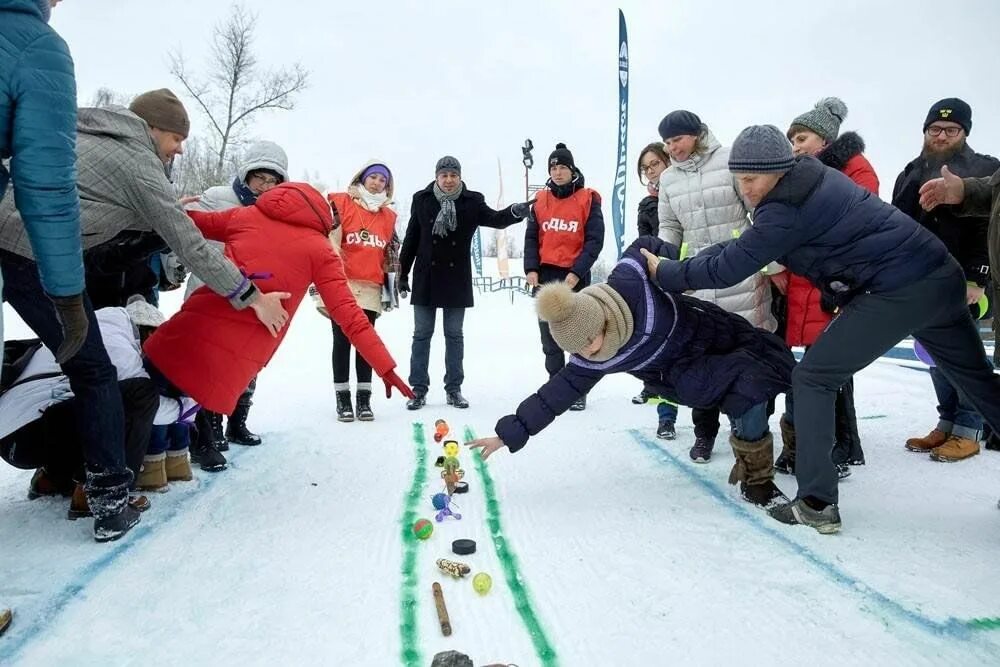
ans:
(447, 218)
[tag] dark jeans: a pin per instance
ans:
(752, 425)
(454, 348)
(53, 442)
(955, 415)
(933, 310)
(342, 359)
(99, 418)
(706, 422)
(170, 437)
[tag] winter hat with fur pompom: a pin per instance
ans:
(576, 318)
(825, 118)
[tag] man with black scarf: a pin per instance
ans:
(946, 129)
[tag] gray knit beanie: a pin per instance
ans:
(761, 149)
(448, 163)
(825, 118)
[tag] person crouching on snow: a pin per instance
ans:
(281, 241)
(686, 349)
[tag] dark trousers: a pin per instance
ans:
(53, 442)
(342, 357)
(98, 416)
(454, 348)
(555, 358)
(706, 422)
(847, 441)
(933, 310)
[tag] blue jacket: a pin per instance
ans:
(820, 225)
(685, 349)
(38, 133)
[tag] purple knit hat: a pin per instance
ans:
(377, 169)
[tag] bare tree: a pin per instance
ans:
(106, 97)
(236, 88)
(197, 169)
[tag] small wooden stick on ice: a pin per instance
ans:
(441, 609)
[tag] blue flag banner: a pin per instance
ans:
(477, 251)
(618, 198)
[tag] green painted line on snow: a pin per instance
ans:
(408, 630)
(508, 561)
(984, 623)
(873, 417)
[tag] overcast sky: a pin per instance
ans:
(410, 81)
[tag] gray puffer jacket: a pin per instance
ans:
(700, 206)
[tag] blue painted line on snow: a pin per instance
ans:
(18, 635)
(951, 628)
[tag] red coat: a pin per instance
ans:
(210, 351)
(806, 319)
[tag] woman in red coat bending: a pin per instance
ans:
(817, 133)
(281, 242)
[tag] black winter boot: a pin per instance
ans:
(203, 449)
(364, 405)
(345, 412)
(218, 436)
(847, 449)
(237, 431)
(418, 401)
(110, 528)
(456, 399)
(786, 460)
(701, 451)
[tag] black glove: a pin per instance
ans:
(72, 316)
(404, 287)
(521, 209)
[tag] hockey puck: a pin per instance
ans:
(463, 547)
(461, 487)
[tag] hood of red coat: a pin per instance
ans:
(297, 204)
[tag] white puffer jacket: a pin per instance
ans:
(699, 206)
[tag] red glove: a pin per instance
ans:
(392, 380)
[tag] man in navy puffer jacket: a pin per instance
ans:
(889, 276)
(685, 349)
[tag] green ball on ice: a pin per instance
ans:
(482, 583)
(423, 529)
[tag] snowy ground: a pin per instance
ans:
(606, 546)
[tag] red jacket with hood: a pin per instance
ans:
(209, 350)
(806, 317)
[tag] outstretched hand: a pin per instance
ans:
(652, 262)
(391, 379)
(270, 312)
(949, 189)
(486, 445)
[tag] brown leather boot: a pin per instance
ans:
(79, 508)
(935, 438)
(178, 468)
(955, 449)
(153, 475)
(42, 485)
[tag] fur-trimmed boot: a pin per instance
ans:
(786, 460)
(178, 466)
(153, 474)
(754, 470)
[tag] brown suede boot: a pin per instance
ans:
(79, 508)
(153, 475)
(935, 438)
(786, 460)
(5, 618)
(955, 449)
(178, 468)
(754, 470)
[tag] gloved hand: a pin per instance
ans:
(521, 209)
(404, 287)
(392, 380)
(72, 317)
(174, 271)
